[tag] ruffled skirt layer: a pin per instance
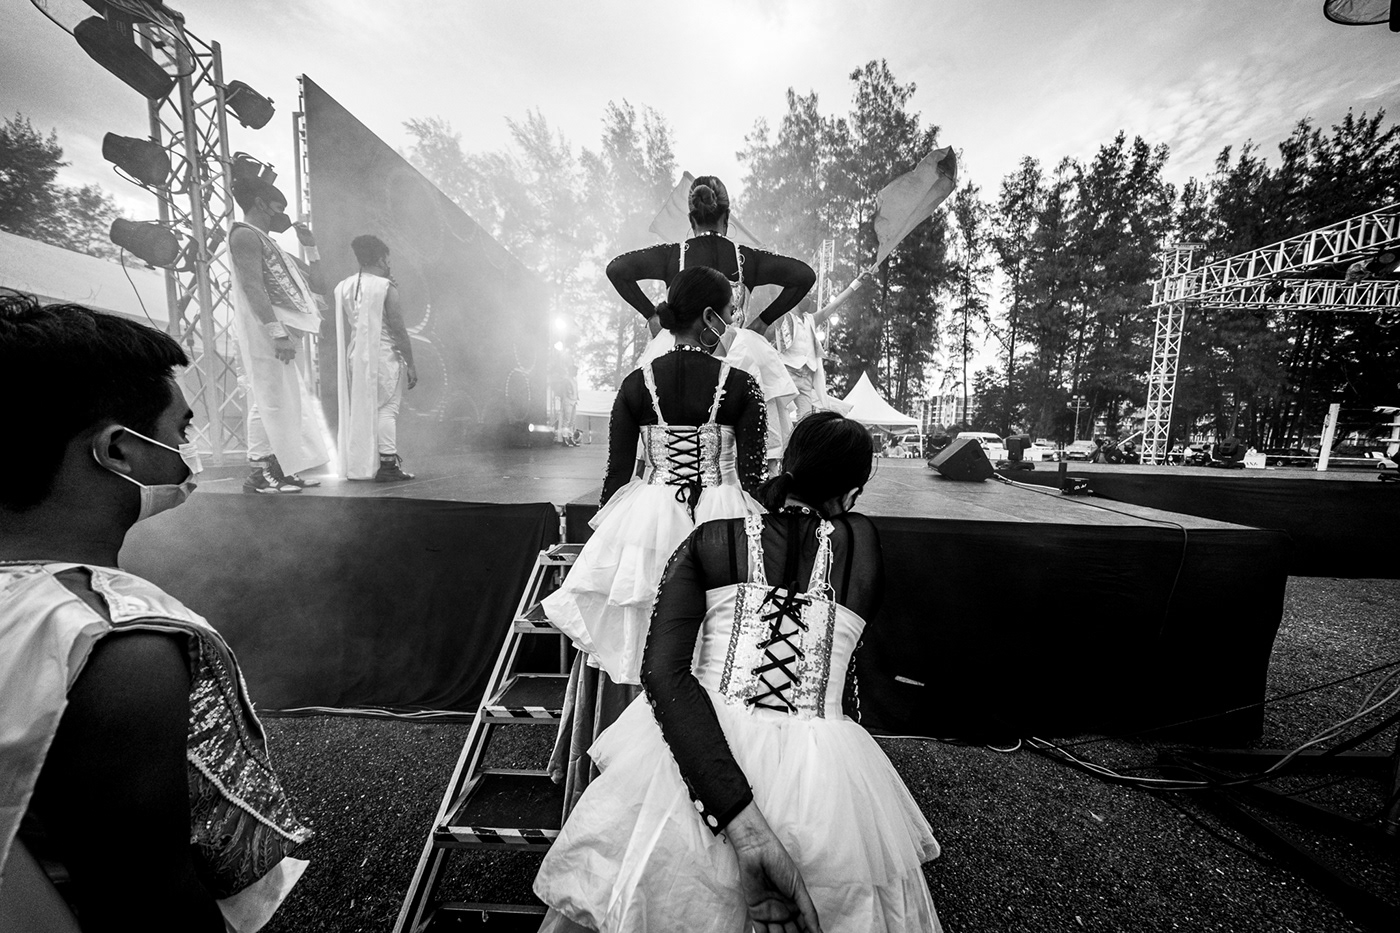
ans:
(635, 855)
(604, 605)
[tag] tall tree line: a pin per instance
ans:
(565, 213)
(817, 178)
(1077, 249)
(34, 205)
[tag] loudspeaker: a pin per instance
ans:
(964, 459)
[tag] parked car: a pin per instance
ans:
(1081, 450)
(1043, 450)
(1288, 456)
(990, 442)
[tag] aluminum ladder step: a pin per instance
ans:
(528, 698)
(516, 810)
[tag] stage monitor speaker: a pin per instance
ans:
(964, 459)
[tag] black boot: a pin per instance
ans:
(391, 469)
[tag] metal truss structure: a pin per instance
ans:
(191, 124)
(1272, 277)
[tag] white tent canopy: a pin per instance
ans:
(871, 410)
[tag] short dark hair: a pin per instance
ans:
(247, 190)
(708, 200)
(79, 368)
(368, 249)
(827, 455)
(694, 290)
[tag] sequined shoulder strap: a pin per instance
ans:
(753, 530)
(719, 392)
(820, 582)
(649, 378)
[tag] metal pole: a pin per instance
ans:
(198, 257)
(1329, 431)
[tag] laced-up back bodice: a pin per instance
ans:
(689, 457)
(771, 647)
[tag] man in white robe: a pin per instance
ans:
(274, 311)
(377, 366)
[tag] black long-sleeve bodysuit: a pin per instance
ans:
(716, 555)
(685, 381)
(663, 262)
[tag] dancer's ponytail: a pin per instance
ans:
(665, 315)
(827, 456)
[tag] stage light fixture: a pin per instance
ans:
(145, 161)
(251, 108)
(152, 243)
(1383, 262)
(111, 46)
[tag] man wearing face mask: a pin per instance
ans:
(115, 699)
(274, 311)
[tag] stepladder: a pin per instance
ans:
(487, 807)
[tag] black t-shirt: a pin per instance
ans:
(663, 262)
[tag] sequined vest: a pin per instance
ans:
(241, 822)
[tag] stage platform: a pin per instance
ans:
(1009, 610)
(1342, 522)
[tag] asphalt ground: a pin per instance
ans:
(1029, 843)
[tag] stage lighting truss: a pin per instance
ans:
(1280, 276)
(191, 124)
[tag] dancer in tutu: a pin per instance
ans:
(747, 268)
(741, 797)
(701, 423)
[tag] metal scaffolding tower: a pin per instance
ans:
(1274, 276)
(198, 205)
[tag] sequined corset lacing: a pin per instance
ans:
(683, 457)
(785, 647)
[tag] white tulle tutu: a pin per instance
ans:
(635, 856)
(604, 605)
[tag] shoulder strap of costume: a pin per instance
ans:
(820, 581)
(719, 391)
(649, 377)
(753, 530)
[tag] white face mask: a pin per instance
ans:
(163, 496)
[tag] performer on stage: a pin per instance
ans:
(378, 365)
(273, 313)
(799, 344)
(746, 268)
(701, 423)
(132, 766)
(740, 793)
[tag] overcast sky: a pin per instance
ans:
(1002, 78)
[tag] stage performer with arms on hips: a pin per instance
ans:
(376, 368)
(133, 771)
(746, 268)
(739, 795)
(701, 424)
(274, 311)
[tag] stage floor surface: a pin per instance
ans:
(573, 477)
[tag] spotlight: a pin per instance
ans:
(251, 108)
(247, 168)
(112, 47)
(150, 242)
(142, 159)
(1383, 262)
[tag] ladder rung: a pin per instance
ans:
(516, 811)
(537, 698)
(533, 621)
(561, 555)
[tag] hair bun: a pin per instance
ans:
(703, 198)
(665, 315)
